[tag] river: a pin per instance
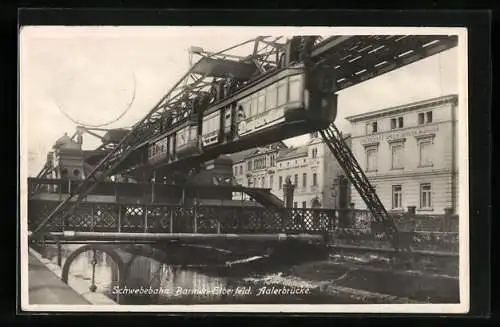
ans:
(151, 281)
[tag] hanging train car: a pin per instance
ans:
(181, 138)
(280, 104)
(284, 104)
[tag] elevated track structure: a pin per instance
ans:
(226, 103)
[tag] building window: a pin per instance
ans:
(304, 180)
(397, 123)
(271, 181)
(295, 204)
(425, 118)
(241, 170)
(428, 115)
(249, 165)
(235, 171)
(425, 196)
(371, 158)
(421, 118)
(304, 204)
(397, 156)
(296, 180)
(314, 153)
(425, 152)
(280, 180)
(397, 197)
(372, 127)
(315, 179)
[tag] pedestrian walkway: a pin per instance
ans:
(46, 288)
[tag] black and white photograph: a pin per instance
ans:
(244, 169)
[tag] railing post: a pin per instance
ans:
(351, 216)
(119, 217)
(145, 219)
(43, 248)
(195, 218)
(59, 254)
(153, 187)
(60, 189)
(63, 221)
(171, 220)
(92, 211)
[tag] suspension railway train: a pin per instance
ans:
(281, 104)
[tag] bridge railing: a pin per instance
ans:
(432, 232)
(164, 218)
(362, 219)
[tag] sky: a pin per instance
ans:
(90, 73)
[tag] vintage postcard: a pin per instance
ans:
(244, 169)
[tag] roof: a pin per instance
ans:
(404, 108)
(292, 153)
(240, 156)
(243, 155)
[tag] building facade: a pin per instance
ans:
(311, 168)
(409, 154)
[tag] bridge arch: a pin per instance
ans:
(122, 272)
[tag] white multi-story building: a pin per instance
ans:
(311, 168)
(409, 154)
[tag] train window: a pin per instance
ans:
(282, 89)
(172, 144)
(243, 110)
(295, 88)
(271, 97)
(215, 123)
(261, 106)
(193, 133)
(253, 107)
(205, 126)
(181, 137)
